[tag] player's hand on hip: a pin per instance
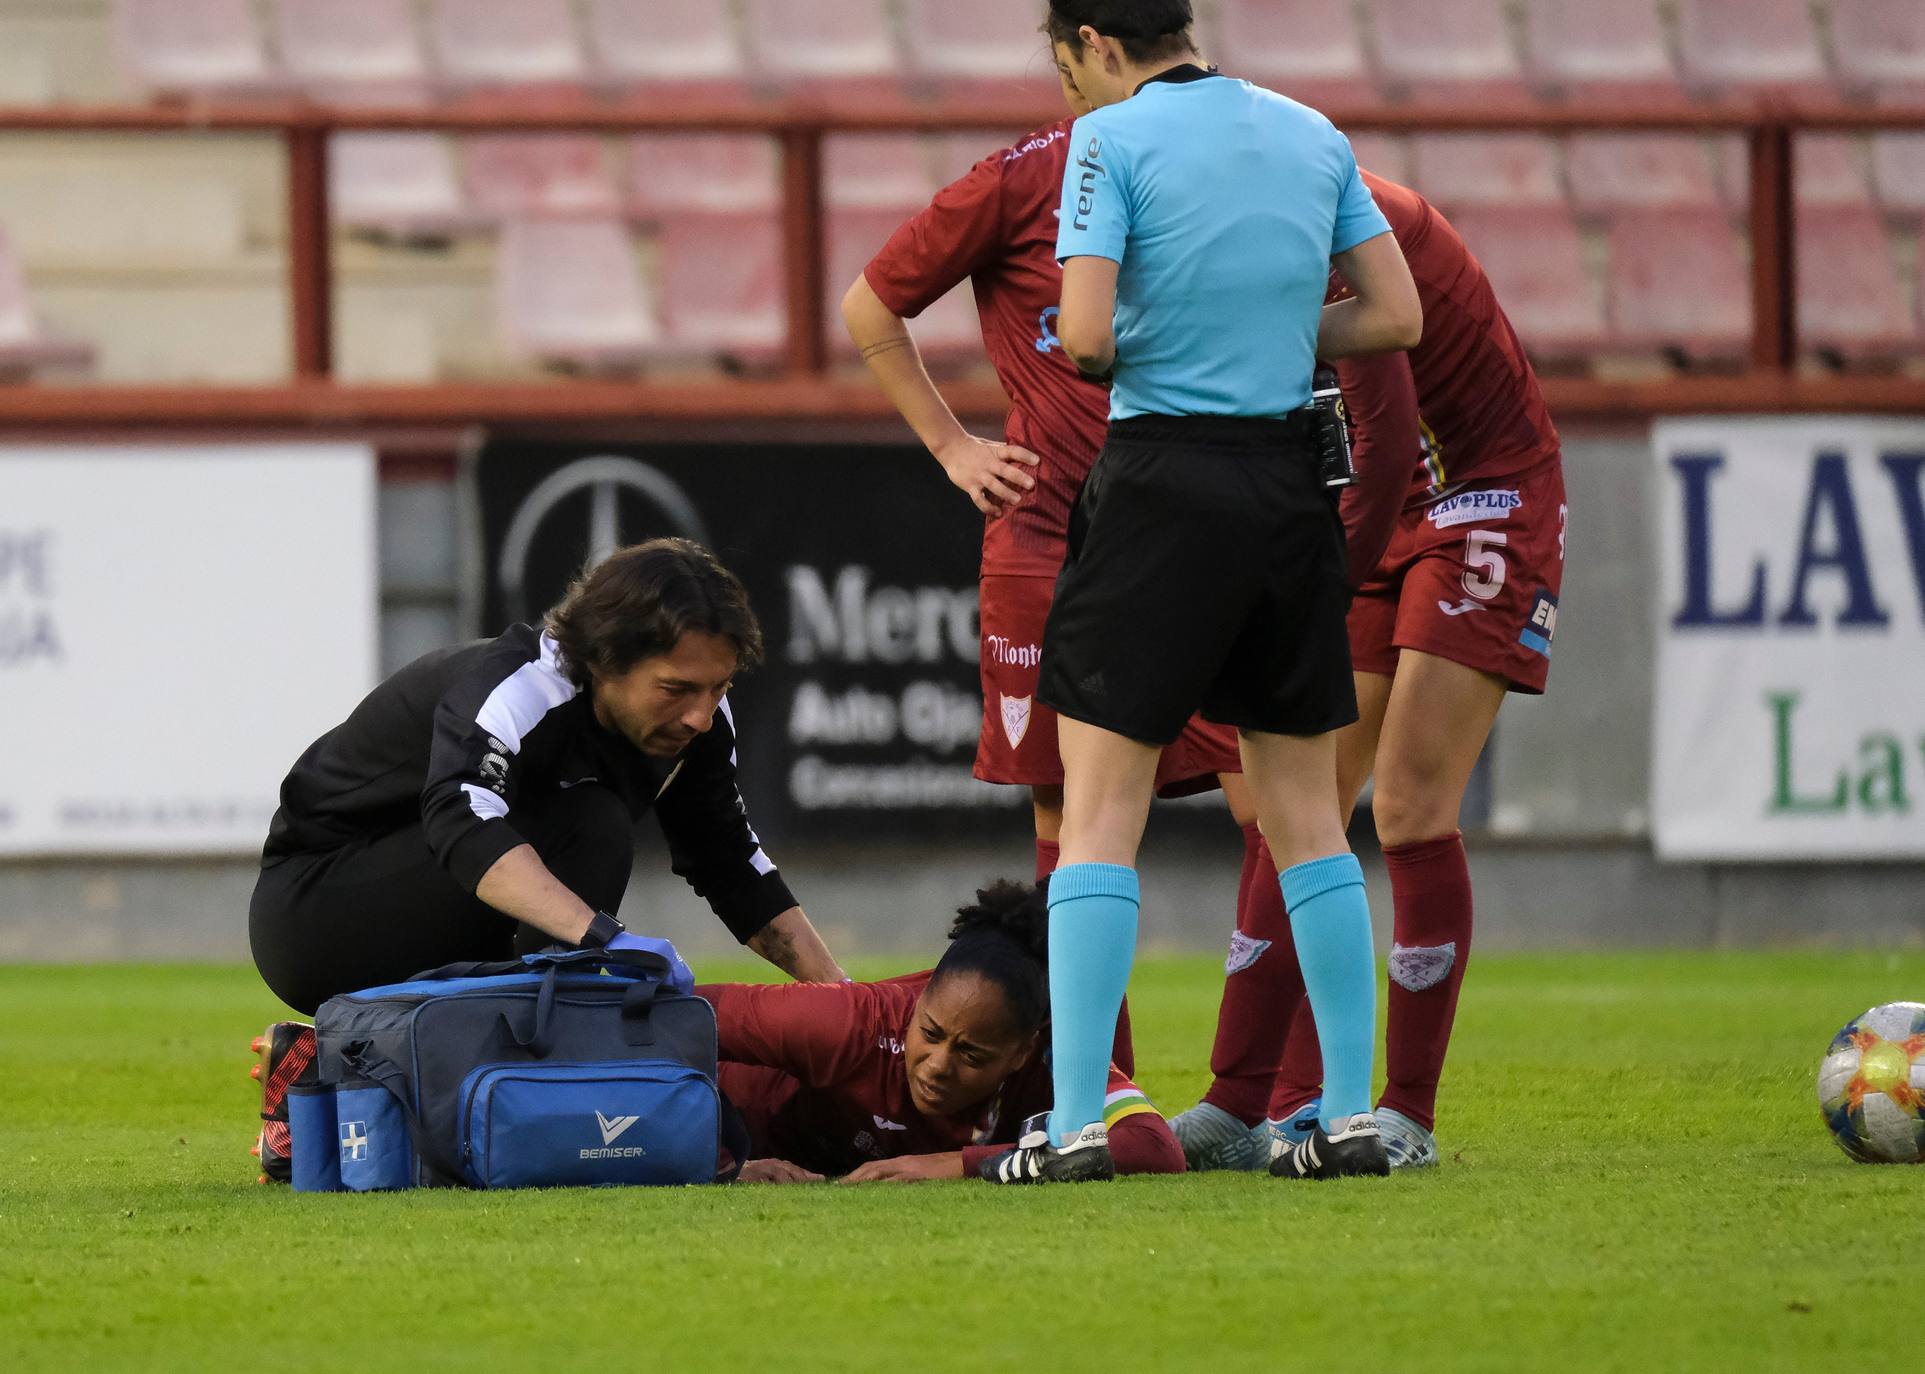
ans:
(994, 476)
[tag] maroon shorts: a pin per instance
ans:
(1473, 577)
(1018, 743)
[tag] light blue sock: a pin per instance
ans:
(1330, 921)
(1092, 941)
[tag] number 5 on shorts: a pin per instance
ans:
(1483, 564)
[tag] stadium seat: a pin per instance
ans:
(1385, 154)
(511, 175)
(714, 172)
(876, 171)
(1898, 168)
(842, 51)
(193, 47)
(365, 49)
(986, 49)
(528, 43)
(397, 185)
(1829, 169)
(1487, 169)
(1851, 304)
(26, 345)
(689, 47)
(1728, 46)
(1879, 46)
(1619, 171)
(1598, 50)
(1447, 50)
(570, 291)
(1310, 50)
(1678, 281)
(721, 281)
(1535, 259)
(947, 330)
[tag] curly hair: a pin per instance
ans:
(638, 602)
(1004, 938)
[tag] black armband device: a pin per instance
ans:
(1330, 431)
(601, 930)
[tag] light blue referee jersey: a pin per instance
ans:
(1223, 203)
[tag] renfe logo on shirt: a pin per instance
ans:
(1086, 188)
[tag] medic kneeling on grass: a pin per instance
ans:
(932, 1075)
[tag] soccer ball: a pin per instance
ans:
(1871, 1086)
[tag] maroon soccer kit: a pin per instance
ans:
(996, 227)
(816, 1070)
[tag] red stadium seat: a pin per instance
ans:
(1756, 45)
(511, 175)
(1879, 46)
(1829, 169)
(1619, 171)
(722, 286)
(688, 47)
(714, 172)
(878, 171)
(364, 49)
(947, 330)
(955, 154)
(397, 185)
(1385, 154)
(1535, 260)
(1851, 305)
(528, 43)
(1309, 50)
(985, 49)
(1447, 50)
(1598, 50)
(1898, 167)
(26, 346)
(840, 50)
(1678, 281)
(194, 47)
(570, 291)
(1487, 169)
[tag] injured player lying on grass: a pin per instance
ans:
(931, 1075)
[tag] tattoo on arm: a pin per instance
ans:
(876, 350)
(776, 946)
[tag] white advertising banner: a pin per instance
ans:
(176, 625)
(1790, 697)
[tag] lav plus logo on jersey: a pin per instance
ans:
(1472, 507)
(1788, 721)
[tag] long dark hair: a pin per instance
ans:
(1004, 938)
(1149, 30)
(639, 601)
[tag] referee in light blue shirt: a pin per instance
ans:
(1199, 222)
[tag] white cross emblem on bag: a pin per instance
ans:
(354, 1140)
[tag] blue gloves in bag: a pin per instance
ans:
(680, 978)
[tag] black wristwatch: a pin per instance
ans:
(601, 930)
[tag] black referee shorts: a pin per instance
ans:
(1205, 573)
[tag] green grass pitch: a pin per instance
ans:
(1636, 1178)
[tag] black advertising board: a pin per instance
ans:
(861, 561)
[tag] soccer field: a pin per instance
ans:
(1635, 1177)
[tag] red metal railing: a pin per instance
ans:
(805, 392)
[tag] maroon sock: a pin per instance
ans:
(1430, 888)
(1301, 1077)
(1261, 988)
(1123, 1052)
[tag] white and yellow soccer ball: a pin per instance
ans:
(1871, 1086)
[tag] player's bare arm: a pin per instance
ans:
(1384, 316)
(993, 476)
(1087, 326)
(910, 1169)
(791, 943)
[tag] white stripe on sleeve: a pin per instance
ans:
(484, 803)
(518, 703)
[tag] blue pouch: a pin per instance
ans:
(313, 1139)
(646, 1121)
(375, 1151)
